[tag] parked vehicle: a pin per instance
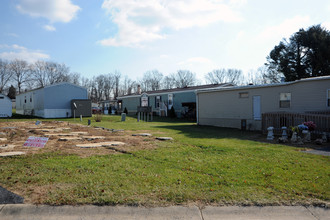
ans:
(96, 110)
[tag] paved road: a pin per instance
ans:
(7, 197)
(43, 212)
(320, 151)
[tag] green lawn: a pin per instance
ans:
(202, 165)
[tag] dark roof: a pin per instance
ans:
(180, 89)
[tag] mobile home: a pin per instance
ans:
(53, 101)
(237, 105)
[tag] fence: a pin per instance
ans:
(280, 119)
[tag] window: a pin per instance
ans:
(285, 100)
(242, 95)
(328, 97)
(30, 99)
(2, 97)
(170, 100)
(24, 99)
(157, 101)
(144, 100)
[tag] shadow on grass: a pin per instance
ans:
(18, 116)
(198, 131)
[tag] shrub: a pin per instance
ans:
(98, 117)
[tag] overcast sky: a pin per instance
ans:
(95, 37)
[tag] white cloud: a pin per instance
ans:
(17, 47)
(326, 25)
(285, 29)
(141, 21)
(238, 3)
(197, 64)
(18, 52)
(12, 35)
(195, 60)
(53, 10)
(49, 28)
(164, 56)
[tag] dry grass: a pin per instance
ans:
(18, 132)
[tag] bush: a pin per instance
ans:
(98, 117)
(171, 113)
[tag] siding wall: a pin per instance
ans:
(60, 96)
(226, 109)
(24, 103)
(131, 104)
(5, 106)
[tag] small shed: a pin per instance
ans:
(5, 106)
(81, 107)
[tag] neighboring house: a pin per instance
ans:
(183, 100)
(5, 106)
(54, 101)
(238, 105)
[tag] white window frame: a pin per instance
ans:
(170, 98)
(285, 99)
(158, 101)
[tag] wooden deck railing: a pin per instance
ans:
(280, 119)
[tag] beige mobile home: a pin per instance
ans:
(234, 106)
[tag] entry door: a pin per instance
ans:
(256, 108)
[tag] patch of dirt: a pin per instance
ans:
(18, 132)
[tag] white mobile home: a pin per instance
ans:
(229, 107)
(52, 101)
(5, 106)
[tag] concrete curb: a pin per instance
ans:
(44, 212)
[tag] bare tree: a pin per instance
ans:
(93, 90)
(184, 78)
(254, 77)
(109, 83)
(48, 73)
(5, 75)
(100, 82)
(216, 76)
(57, 73)
(39, 73)
(85, 82)
(168, 82)
(75, 78)
(127, 86)
(21, 72)
(234, 76)
(270, 75)
(117, 76)
(151, 80)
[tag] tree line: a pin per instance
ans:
(18, 76)
(305, 54)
